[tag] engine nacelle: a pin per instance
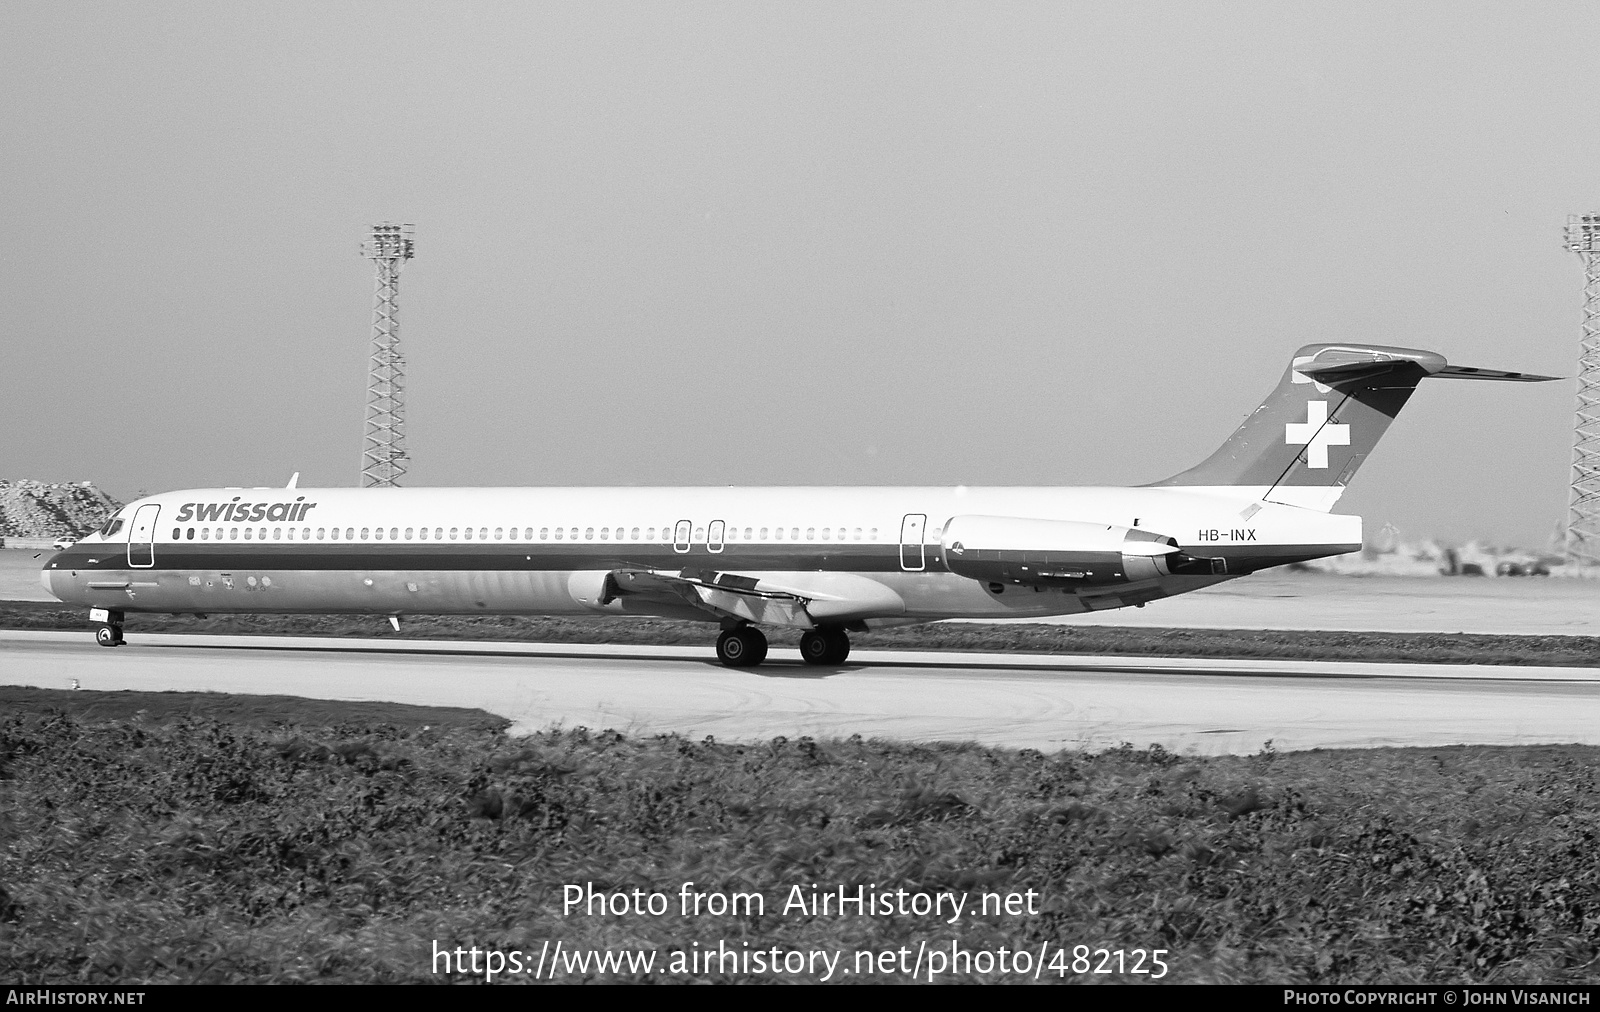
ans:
(1062, 553)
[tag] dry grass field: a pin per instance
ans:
(176, 837)
(183, 837)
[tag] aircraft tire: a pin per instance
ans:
(840, 651)
(108, 635)
(758, 653)
(814, 647)
(824, 646)
(744, 647)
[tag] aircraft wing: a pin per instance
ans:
(725, 595)
(797, 600)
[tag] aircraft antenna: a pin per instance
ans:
(383, 454)
(1583, 516)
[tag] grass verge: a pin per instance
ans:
(1414, 648)
(156, 837)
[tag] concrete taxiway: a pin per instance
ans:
(1016, 700)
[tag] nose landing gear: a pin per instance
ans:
(108, 628)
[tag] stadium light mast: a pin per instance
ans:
(383, 454)
(1583, 515)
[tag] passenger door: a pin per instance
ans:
(142, 537)
(912, 557)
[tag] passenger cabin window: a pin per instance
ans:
(588, 534)
(378, 534)
(453, 532)
(409, 532)
(513, 533)
(233, 534)
(468, 533)
(528, 534)
(205, 534)
(322, 530)
(499, 533)
(394, 534)
(811, 533)
(605, 533)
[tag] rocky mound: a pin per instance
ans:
(37, 509)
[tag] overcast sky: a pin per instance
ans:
(797, 243)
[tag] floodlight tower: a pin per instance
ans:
(383, 454)
(1583, 516)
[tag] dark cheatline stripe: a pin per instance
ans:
(502, 556)
(546, 557)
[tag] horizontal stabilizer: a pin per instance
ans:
(1466, 372)
(1335, 401)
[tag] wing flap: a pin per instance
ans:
(797, 600)
(725, 595)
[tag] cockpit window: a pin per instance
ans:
(112, 526)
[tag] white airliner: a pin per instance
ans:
(825, 560)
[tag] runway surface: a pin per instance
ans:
(1506, 606)
(1016, 700)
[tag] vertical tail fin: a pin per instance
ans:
(1306, 441)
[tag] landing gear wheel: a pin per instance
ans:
(108, 635)
(825, 646)
(744, 647)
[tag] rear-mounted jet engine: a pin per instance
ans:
(1063, 553)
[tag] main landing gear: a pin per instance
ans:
(108, 628)
(825, 646)
(746, 646)
(743, 647)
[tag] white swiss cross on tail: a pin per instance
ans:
(1316, 433)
